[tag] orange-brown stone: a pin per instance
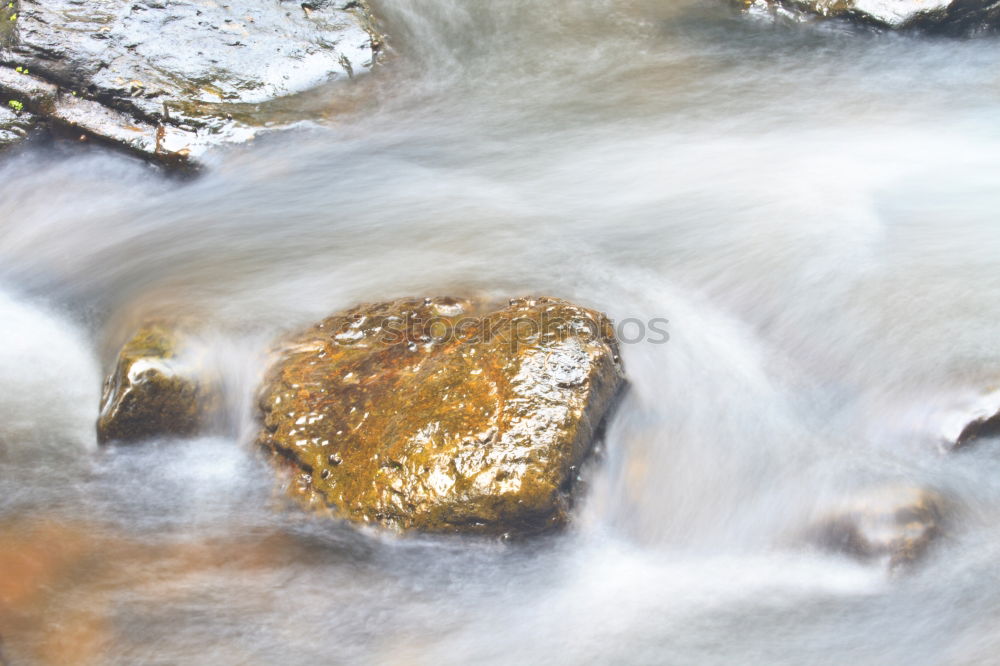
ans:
(443, 415)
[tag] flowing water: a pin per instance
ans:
(813, 210)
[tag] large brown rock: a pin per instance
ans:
(161, 385)
(443, 415)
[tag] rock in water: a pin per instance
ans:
(979, 418)
(167, 78)
(443, 415)
(954, 16)
(160, 386)
(893, 523)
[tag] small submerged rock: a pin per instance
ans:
(161, 385)
(949, 16)
(980, 418)
(169, 79)
(895, 524)
(443, 415)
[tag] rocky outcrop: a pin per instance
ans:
(894, 524)
(161, 385)
(443, 415)
(91, 120)
(948, 16)
(169, 79)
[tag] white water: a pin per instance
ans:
(813, 210)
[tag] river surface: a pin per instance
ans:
(813, 210)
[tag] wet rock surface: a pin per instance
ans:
(895, 524)
(161, 385)
(946, 16)
(443, 415)
(14, 126)
(86, 119)
(176, 77)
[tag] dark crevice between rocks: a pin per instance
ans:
(64, 143)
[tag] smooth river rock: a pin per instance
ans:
(894, 524)
(167, 79)
(162, 385)
(443, 415)
(948, 16)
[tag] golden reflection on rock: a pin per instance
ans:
(443, 414)
(62, 584)
(37, 558)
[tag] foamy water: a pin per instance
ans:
(811, 209)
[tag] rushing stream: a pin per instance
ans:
(812, 209)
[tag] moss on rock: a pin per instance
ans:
(160, 386)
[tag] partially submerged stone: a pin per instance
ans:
(161, 385)
(980, 418)
(955, 16)
(173, 78)
(443, 415)
(894, 524)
